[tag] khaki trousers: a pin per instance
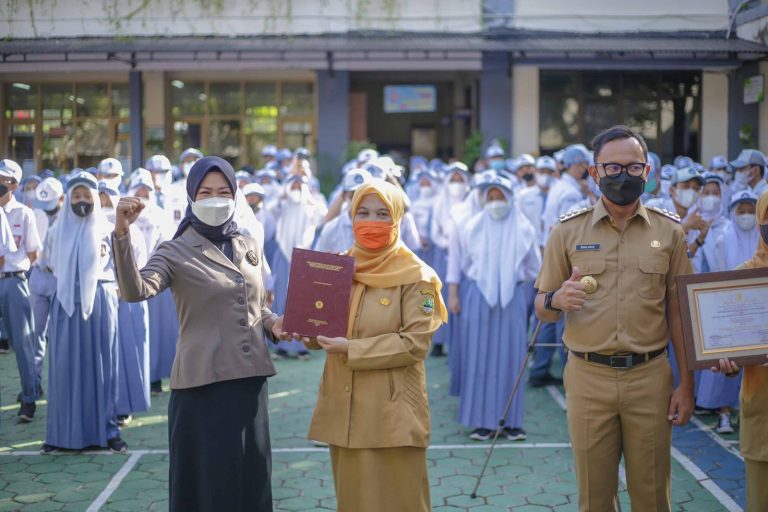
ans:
(611, 412)
(757, 485)
(380, 479)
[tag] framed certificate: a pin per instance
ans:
(724, 314)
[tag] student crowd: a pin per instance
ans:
(482, 230)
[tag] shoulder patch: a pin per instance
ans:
(573, 214)
(665, 213)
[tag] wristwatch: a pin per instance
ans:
(548, 303)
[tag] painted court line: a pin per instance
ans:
(706, 482)
(307, 449)
(727, 445)
(113, 484)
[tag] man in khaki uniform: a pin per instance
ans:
(611, 269)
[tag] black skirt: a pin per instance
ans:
(220, 453)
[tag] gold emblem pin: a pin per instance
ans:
(252, 258)
(655, 244)
(319, 305)
(384, 301)
(590, 284)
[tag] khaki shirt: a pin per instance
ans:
(635, 272)
(376, 396)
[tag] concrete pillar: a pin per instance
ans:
(136, 105)
(763, 113)
(495, 98)
(525, 110)
(741, 116)
(332, 120)
(714, 115)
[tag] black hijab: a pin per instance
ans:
(217, 235)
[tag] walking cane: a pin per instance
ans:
(503, 420)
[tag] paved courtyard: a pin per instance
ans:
(531, 476)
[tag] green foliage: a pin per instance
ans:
(356, 146)
(747, 136)
(473, 149)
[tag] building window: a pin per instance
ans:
(61, 126)
(235, 120)
(664, 106)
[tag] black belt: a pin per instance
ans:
(20, 275)
(618, 361)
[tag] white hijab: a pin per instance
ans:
(76, 251)
(297, 222)
(740, 245)
(442, 224)
(496, 249)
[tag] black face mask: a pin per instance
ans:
(53, 212)
(585, 174)
(256, 208)
(528, 176)
(82, 209)
(3, 190)
(764, 232)
(622, 189)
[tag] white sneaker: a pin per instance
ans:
(724, 425)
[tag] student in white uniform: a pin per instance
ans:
(160, 167)
(571, 191)
(533, 200)
(15, 305)
(683, 195)
(49, 196)
(749, 172)
(719, 165)
(336, 235)
(110, 171)
(176, 196)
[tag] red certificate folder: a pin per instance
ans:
(319, 286)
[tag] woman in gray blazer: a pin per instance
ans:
(217, 415)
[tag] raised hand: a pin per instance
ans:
(126, 213)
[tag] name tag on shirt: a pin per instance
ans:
(588, 247)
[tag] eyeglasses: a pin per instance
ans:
(613, 169)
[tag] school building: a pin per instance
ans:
(80, 81)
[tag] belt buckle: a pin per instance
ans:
(621, 362)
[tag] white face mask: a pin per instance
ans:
(742, 177)
(746, 221)
(457, 189)
(543, 180)
(294, 196)
(214, 211)
(497, 209)
(426, 192)
(665, 186)
(113, 182)
(711, 204)
(686, 198)
(186, 167)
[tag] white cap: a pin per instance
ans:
(546, 162)
(141, 177)
(10, 169)
(158, 163)
(354, 179)
(254, 188)
(111, 166)
(367, 155)
(47, 194)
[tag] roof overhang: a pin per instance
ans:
(378, 51)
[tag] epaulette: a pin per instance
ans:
(573, 214)
(665, 213)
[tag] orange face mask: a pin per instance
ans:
(374, 235)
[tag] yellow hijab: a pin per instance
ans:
(756, 376)
(395, 264)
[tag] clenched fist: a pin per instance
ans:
(126, 213)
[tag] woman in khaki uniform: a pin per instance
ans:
(372, 407)
(754, 393)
